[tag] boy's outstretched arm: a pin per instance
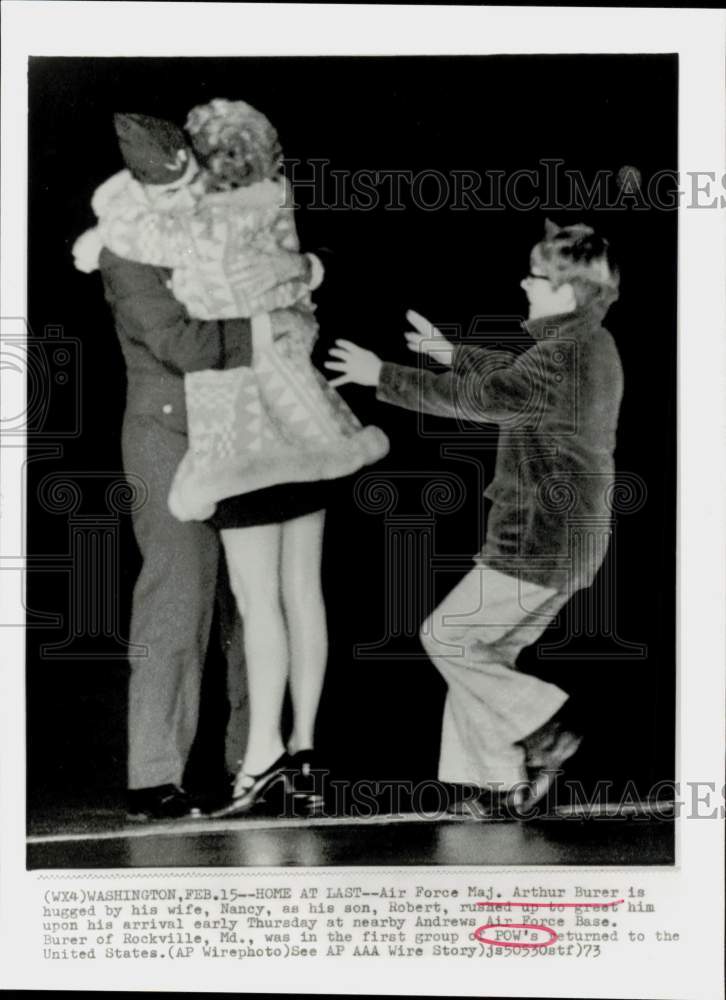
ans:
(410, 388)
(482, 385)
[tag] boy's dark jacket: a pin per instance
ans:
(557, 409)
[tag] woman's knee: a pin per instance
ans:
(256, 597)
(302, 590)
(252, 556)
(302, 544)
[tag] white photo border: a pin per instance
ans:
(103, 29)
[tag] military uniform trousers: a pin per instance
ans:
(172, 610)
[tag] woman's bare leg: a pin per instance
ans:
(253, 561)
(302, 595)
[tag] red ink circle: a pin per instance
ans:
(516, 944)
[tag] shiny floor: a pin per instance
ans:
(97, 841)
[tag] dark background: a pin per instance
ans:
(380, 715)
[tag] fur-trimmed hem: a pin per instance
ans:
(198, 487)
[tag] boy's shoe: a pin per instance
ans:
(480, 803)
(546, 750)
(544, 746)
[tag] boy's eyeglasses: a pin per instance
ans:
(538, 277)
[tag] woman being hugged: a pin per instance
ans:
(273, 537)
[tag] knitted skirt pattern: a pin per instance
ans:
(275, 422)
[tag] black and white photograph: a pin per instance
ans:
(362, 510)
(366, 527)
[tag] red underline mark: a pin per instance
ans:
(614, 902)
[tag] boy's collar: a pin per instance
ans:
(565, 324)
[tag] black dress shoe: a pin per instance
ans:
(208, 801)
(159, 802)
(250, 790)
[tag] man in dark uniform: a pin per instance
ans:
(174, 595)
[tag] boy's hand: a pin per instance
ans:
(261, 272)
(427, 339)
(357, 365)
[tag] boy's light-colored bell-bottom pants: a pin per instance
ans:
(474, 638)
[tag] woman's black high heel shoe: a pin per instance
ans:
(250, 789)
(306, 792)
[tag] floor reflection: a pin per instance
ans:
(243, 844)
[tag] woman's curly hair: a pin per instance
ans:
(235, 142)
